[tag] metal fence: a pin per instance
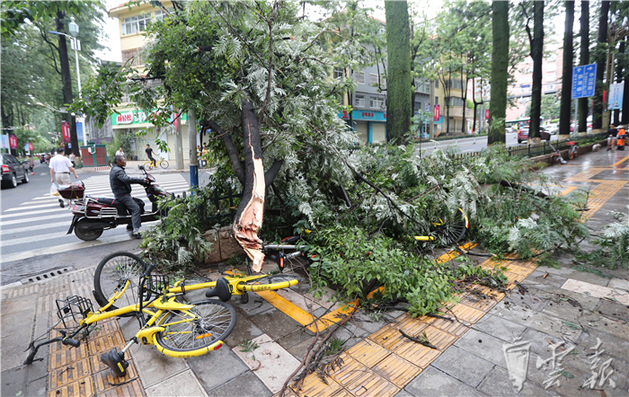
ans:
(533, 150)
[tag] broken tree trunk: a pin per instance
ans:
(248, 219)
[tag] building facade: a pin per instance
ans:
(128, 119)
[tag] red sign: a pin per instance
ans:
(437, 112)
(368, 115)
(30, 147)
(13, 141)
(65, 131)
(124, 118)
(487, 114)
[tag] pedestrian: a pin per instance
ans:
(120, 152)
(120, 184)
(611, 138)
(149, 154)
(620, 142)
(60, 169)
(71, 157)
(31, 164)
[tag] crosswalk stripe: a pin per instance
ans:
(40, 228)
(32, 207)
(32, 239)
(64, 247)
(31, 213)
(38, 218)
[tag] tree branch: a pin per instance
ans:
(231, 151)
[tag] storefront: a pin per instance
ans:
(370, 126)
(136, 121)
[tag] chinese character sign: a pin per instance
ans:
(437, 112)
(13, 141)
(65, 131)
(616, 95)
(583, 81)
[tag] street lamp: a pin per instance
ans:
(75, 44)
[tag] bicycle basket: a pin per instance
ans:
(73, 309)
(157, 284)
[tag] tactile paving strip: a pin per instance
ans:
(387, 361)
(600, 194)
(79, 371)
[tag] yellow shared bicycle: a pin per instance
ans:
(159, 162)
(115, 270)
(176, 329)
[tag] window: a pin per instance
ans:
(454, 101)
(135, 24)
(359, 101)
(375, 102)
(550, 88)
(159, 15)
(551, 66)
(436, 100)
(360, 77)
(132, 53)
(422, 86)
(338, 73)
(455, 84)
(427, 107)
(373, 79)
(383, 80)
(436, 83)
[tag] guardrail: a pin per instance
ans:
(534, 150)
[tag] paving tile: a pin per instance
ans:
(464, 366)
(153, 367)
(364, 321)
(614, 309)
(70, 373)
(541, 342)
(182, 384)
(301, 349)
(254, 306)
(435, 383)
(361, 381)
(80, 387)
(210, 368)
(133, 388)
(540, 321)
(597, 290)
(614, 346)
(276, 324)
(499, 327)
(608, 325)
(107, 380)
(617, 283)
(245, 384)
(244, 330)
(312, 385)
(270, 362)
(537, 277)
(484, 346)
(497, 383)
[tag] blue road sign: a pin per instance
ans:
(583, 81)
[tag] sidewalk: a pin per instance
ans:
(559, 316)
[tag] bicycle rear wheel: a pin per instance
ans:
(111, 277)
(163, 164)
(268, 283)
(207, 323)
(452, 229)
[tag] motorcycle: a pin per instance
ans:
(93, 215)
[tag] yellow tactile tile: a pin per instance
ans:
(413, 325)
(80, 388)
(312, 385)
(397, 370)
(451, 326)
(585, 175)
(105, 343)
(134, 388)
(106, 380)
(61, 356)
(69, 373)
(359, 380)
(368, 352)
(479, 300)
(422, 355)
(465, 313)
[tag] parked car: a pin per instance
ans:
(523, 134)
(12, 170)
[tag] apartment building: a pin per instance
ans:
(132, 23)
(520, 91)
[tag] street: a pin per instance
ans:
(467, 145)
(33, 226)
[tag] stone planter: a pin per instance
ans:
(224, 246)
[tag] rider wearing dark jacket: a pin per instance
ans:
(120, 184)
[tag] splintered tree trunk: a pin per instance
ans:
(248, 219)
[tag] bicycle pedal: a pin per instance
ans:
(244, 298)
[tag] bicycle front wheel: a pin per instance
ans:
(163, 164)
(148, 165)
(208, 322)
(111, 276)
(453, 228)
(267, 283)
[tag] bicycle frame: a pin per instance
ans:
(235, 283)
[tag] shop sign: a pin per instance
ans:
(13, 141)
(65, 131)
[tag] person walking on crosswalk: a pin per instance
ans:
(60, 169)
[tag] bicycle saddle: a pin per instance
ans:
(221, 290)
(115, 361)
